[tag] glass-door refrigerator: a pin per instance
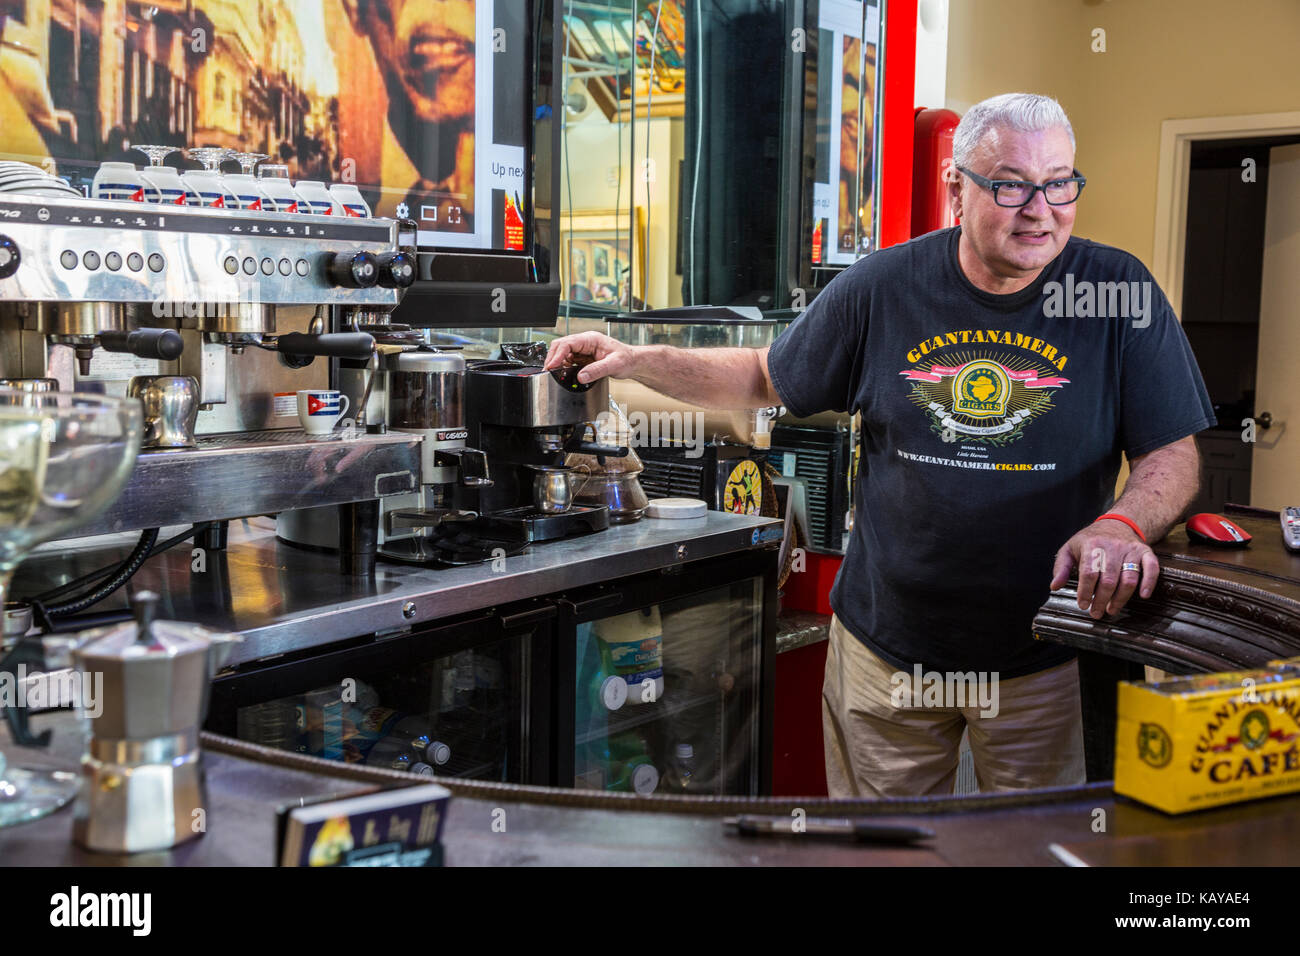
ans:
(464, 697)
(669, 679)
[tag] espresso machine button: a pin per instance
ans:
(231, 265)
(301, 267)
(9, 257)
(268, 266)
(135, 262)
(69, 259)
(250, 265)
(285, 267)
(90, 260)
(113, 260)
(396, 270)
(156, 262)
(355, 270)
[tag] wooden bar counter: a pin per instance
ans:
(544, 826)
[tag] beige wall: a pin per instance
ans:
(1164, 59)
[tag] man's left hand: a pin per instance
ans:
(1100, 552)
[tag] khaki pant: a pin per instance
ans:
(877, 749)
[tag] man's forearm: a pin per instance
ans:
(713, 377)
(1160, 485)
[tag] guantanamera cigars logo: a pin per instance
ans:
(1235, 743)
(980, 395)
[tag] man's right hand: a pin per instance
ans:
(600, 356)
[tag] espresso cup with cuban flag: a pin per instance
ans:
(319, 409)
(122, 182)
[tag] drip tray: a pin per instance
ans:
(537, 525)
(456, 543)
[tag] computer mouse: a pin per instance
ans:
(1216, 531)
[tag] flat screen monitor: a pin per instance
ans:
(424, 105)
(843, 222)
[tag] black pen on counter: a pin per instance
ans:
(842, 828)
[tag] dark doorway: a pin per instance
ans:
(1227, 199)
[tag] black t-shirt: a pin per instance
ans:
(992, 428)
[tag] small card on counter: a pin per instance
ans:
(399, 827)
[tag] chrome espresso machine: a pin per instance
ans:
(95, 293)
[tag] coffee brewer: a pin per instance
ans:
(525, 420)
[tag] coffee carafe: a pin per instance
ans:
(141, 775)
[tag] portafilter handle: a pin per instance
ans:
(300, 348)
(163, 344)
(471, 463)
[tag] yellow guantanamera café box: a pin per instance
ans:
(1194, 742)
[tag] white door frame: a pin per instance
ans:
(1176, 138)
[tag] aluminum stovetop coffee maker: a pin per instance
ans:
(142, 774)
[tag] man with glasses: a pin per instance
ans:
(1001, 367)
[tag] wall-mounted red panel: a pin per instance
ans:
(897, 126)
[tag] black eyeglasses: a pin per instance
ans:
(1015, 192)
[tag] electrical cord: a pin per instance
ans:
(112, 578)
(138, 556)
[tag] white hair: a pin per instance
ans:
(1023, 112)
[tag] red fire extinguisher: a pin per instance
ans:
(931, 170)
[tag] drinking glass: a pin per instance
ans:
(64, 459)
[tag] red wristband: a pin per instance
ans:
(1128, 521)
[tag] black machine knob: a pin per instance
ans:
(353, 270)
(10, 257)
(396, 269)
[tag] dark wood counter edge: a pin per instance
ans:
(663, 803)
(1210, 611)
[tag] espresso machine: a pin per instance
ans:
(95, 293)
(525, 421)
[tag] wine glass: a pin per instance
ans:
(208, 181)
(64, 458)
(248, 161)
(245, 185)
(156, 154)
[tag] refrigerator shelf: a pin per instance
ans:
(630, 716)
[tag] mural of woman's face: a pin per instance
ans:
(429, 46)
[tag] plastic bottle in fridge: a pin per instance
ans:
(634, 646)
(682, 777)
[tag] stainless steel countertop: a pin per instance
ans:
(282, 597)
